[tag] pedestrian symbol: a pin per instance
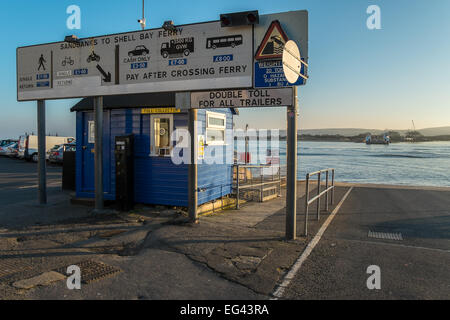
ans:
(41, 63)
(273, 42)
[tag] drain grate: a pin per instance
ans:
(92, 270)
(10, 266)
(385, 235)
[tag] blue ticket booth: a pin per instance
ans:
(153, 120)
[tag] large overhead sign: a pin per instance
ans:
(191, 57)
(242, 98)
(203, 56)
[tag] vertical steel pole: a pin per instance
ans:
(306, 205)
(42, 176)
(261, 190)
(237, 187)
(98, 149)
(318, 199)
(143, 13)
(332, 183)
(291, 179)
(279, 180)
(192, 170)
(326, 194)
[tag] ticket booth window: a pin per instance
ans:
(161, 132)
(215, 128)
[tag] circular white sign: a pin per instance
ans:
(291, 61)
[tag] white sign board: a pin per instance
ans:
(294, 24)
(192, 57)
(242, 98)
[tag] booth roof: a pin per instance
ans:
(141, 100)
(144, 100)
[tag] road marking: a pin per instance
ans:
(395, 245)
(309, 248)
(51, 184)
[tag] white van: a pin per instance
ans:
(29, 149)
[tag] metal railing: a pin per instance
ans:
(257, 178)
(319, 193)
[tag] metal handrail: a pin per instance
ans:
(319, 193)
(259, 183)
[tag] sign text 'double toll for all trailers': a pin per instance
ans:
(242, 98)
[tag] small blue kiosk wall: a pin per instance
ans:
(157, 179)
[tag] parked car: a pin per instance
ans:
(49, 152)
(57, 155)
(9, 150)
(30, 151)
(6, 142)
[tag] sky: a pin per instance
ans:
(359, 78)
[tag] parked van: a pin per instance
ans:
(29, 148)
(21, 148)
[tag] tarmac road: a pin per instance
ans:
(18, 180)
(417, 267)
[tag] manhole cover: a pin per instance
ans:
(92, 270)
(385, 235)
(10, 266)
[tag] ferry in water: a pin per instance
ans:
(372, 139)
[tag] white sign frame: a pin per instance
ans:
(73, 71)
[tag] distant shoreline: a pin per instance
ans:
(361, 139)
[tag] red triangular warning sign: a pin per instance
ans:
(272, 45)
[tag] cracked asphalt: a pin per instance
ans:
(230, 255)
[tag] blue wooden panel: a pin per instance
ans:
(157, 179)
(85, 157)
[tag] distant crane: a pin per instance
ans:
(411, 135)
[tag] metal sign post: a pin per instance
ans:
(98, 115)
(42, 175)
(291, 178)
(192, 171)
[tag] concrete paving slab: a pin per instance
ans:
(44, 279)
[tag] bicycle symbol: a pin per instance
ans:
(67, 60)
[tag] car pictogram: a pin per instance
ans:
(138, 51)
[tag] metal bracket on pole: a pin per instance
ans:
(98, 118)
(291, 178)
(42, 176)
